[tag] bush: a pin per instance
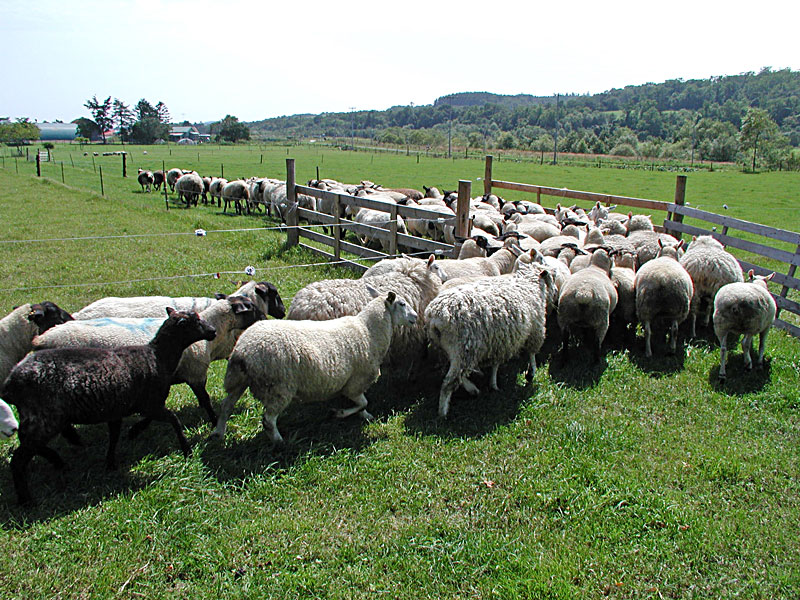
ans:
(48, 145)
(623, 149)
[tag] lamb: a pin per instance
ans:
(499, 263)
(215, 189)
(146, 179)
(284, 360)
(710, 267)
(54, 389)
(158, 179)
(490, 321)
(663, 290)
(264, 294)
(190, 188)
(747, 309)
(20, 326)
(228, 317)
(415, 280)
(172, 177)
(237, 193)
(586, 302)
(8, 422)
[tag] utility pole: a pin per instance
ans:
(353, 120)
(555, 134)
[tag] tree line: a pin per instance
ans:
(713, 119)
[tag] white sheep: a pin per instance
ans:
(747, 309)
(663, 291)
(710, 267)
(312, 360)
(190, 188)
(489, 320)
(499, 263)
(237, 193)
(229, 317)
(415, 280)
(215, 189)
(172, 177)
(8, 422)
(263, 293)
(374, 218)
(20, 326)
(586, 302)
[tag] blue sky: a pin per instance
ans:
(263, 59)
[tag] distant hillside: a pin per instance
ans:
(481, 98)
(699, 118)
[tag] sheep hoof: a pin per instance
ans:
(722, 378)
(366, 415)
(215, 435)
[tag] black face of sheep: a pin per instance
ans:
(47, 315)
(269, 293)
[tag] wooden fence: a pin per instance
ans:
(762, 239)
(391, 238)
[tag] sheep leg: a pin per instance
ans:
(693, 316)
(19, 463)
(70, 434)
(747, 344)
(493, 378)
(762, 346)
(360, 402)
(648, 332)
(470, 387)
(532, 369)
(272, 408)
(166, 415)
(113, 438)
(723, 353)
(673, 337)
(225, 411)
(204, 400)
(449, 385)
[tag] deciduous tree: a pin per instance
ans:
(101, 113)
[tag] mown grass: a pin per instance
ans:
(635, 479)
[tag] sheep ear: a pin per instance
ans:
(660, 244)
(750, 274)
(372, 291)
(391, 298)
(219, 296)
(680, 245)
(770, 276)
(170, 310)
(431, 259)
(612, 207)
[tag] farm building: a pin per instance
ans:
(57, 131)
(177, 133)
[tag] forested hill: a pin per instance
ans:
(654, 119)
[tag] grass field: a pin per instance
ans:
(637, 479)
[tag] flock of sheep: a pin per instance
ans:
(524, 275)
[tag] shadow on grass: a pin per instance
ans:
(740, 381)
(86, 481)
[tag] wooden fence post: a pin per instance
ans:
(164, 171)
(393, 230)
(680, 199)
(38, 165)
(124, 164)
(462, 213)
(292, 234)
(337, 230)
(487, 176)
(102, 189)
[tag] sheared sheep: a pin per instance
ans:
(145, 179)
(54, 389)
(312, 360)
(663, 291)
(747, 309)
(710, 267)
(586, 302)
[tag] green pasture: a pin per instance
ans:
(638, 478)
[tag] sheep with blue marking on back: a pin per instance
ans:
(281, 361)
(747, 309)
(55, 389)
(229, 317)
(489, 321)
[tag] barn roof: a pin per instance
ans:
(57, 131)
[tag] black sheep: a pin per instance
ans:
(54, 389)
